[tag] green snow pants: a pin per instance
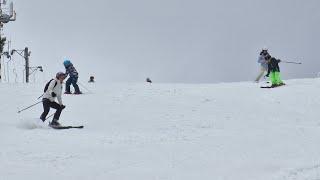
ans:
(275, 78)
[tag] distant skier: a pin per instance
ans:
(91, 79)
(53, 90)
(73, 77)
(274, 71)
(148, 80)
(263, 64)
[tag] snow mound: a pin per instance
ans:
(32, 123)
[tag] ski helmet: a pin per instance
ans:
(265, 48)
(60, 74)
(66, 62)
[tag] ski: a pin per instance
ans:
(272, 87)
(74, 93)
(66, 127)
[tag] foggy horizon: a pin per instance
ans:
(170, 41)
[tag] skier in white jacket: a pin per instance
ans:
(53, 91)
(263, 64)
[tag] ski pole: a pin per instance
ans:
(290, 62)
(85, 87)
(41, 96)
(29, 107)
(50, 116)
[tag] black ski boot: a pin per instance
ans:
(282, 84)
(273, 86)
(77, 93)
(55, 123)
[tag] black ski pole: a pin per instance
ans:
(290, 62)
(29, 107)
(50, 116)
(41, 96)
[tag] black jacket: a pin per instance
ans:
(273, 65)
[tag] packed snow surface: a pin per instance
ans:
(226, 131)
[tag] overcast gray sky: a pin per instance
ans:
(189, 41)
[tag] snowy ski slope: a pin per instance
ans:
(227, 131)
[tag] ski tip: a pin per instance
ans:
(66, 127)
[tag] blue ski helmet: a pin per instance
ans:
(67, 63)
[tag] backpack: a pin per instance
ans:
(47, 85)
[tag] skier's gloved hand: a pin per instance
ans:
(53, 94)
(63, 106)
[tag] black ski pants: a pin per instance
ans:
(47, 104)
(73, 81)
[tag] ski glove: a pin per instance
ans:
(53, 94)
(63, 106)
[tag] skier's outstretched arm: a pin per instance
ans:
(67, 73)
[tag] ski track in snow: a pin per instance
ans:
(305, 173)
(166, 131)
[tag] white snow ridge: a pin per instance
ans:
(227, 131)
(32, 123)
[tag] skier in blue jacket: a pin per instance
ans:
(73, 77)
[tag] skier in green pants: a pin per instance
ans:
(274, 71)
